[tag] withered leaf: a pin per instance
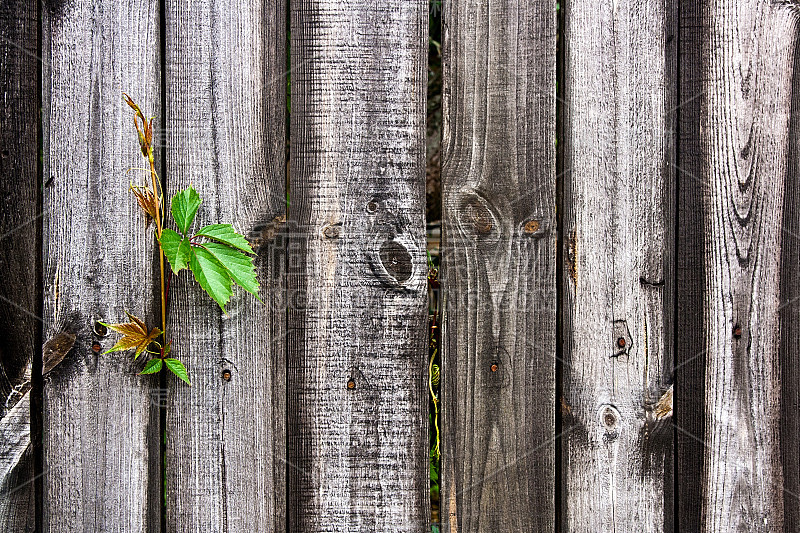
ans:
(135, 335)
(146, 200)
(55, 349)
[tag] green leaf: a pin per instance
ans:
(434, 473)
(177, 368)
(176, 249)
(239, 266)
(225, 234)
(211, 275)
(152, 366)
(184, 207)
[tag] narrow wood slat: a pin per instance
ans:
(357, 268)
(789, 355)
(690, 353)
(499, 266)
(19, 256)
(618, 274)
(743, 65)
(225, 97)
(100, 434)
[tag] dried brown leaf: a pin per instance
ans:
(135, 335)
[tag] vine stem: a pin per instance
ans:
(154, 175)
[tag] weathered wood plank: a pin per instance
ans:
(100, 433)
(357, 272)
(19, 256)
(226, 97)
(499, 266)
(619, 247)
(744, 61)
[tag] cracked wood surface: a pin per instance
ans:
(100, 433)
(620, 96)
(357, 270)
(226, 103)
(498, 266)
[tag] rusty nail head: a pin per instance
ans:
(96, 347)
(372, 207)
(351, 384)
(621, 342)
(532, 226)
(737, 331)
(226, 375)
(495, 366)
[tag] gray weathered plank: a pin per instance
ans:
(618, 238)
(357, 273)
(499, 266)
(100, 433)
(19, 253)
(744, 65)
(226, 95)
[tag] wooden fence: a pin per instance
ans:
(621, 227)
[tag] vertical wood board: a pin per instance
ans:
(20, 221)
(357, 271)
(225, 435)
(100, 434)
(618, 278)
(498, 266)
(745, 61)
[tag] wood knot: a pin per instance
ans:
(331, 231)
(737, 331)
(396, 260)
(609, 419)
(99, 329)
(531, 227)
(477, 215)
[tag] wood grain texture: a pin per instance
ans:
(19, 253)
(499, 266)
(357, 272)
(618, 280)
(226, 96)
(100, 433)
(745, 66)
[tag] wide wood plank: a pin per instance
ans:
(100, 434)
(499, 266)
(225, 96)
(618, 277)
(19, 256)
(744, 61)
(357, 271)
